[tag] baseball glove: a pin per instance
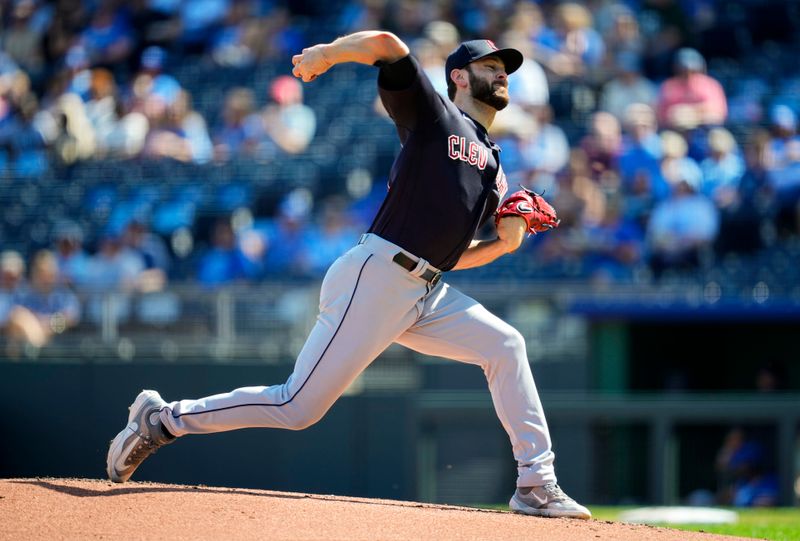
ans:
(538, 213)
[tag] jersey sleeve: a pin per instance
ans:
(408, 95)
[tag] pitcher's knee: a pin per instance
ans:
(508, 351)
(305, 418)
(512, 344)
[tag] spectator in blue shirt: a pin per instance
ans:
(332, 236)
(73, 261)
(640, 163)
(746, 477)
(153, 250)
(571, 48)
(684, 226)
(109, 38)
(783, 127)
(19, 137)
(45, 308)
(223, 263)
(641, 151)
(537, 148)
(722, 169)
(178, 132)
(782, 161)
(240, 127)
(236, 43)
(614, 246)
(284, 234)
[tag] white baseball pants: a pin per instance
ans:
(367, 302)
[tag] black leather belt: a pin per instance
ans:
(430, 276)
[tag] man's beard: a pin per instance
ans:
(484, 91)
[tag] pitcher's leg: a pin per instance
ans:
(352, 329)
(457, 327)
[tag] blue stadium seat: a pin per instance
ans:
(172, 215)
(30, 164)
(231, 196)
(100, 199)
(195, 194)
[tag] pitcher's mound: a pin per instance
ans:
(81, 509)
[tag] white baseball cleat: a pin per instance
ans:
(547, 501)
(143, 435)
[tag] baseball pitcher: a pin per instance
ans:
(444, 185)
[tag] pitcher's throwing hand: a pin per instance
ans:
(311, 63)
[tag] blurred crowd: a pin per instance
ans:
(662, 149)
(89, 80)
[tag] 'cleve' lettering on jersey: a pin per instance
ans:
(473, 153)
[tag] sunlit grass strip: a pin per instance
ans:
(782, 524)
(773, 524)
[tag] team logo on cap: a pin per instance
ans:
(491, 44)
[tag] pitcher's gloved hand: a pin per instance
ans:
(538, 213)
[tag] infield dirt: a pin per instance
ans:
(81, 509)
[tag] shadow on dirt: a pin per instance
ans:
(106, 489)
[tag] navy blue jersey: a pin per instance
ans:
(446, 181)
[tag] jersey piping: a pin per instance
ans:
(258, 404)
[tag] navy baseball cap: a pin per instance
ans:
(470, 51)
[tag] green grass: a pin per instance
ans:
(773, 524)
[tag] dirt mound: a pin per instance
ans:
(80, 509)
